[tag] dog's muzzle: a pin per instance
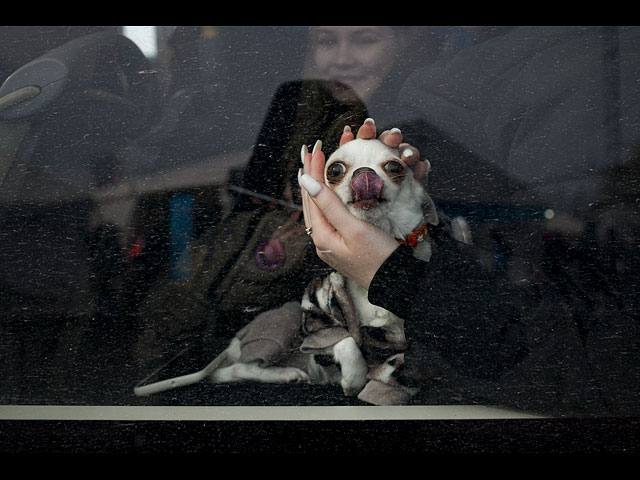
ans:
(366, 184)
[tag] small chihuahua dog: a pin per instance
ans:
(377, 187)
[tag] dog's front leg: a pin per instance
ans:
(352, 365)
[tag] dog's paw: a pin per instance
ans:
(352, 365)
(293, 375)
(251, 371)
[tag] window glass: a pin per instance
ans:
(150, 214)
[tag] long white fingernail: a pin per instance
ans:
(346, 128)
(310, 184)
(316, 147)
(303, 152)
(395, 130)
(370, 120)
(408, 153)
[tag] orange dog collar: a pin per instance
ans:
(415, 237)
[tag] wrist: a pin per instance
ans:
(395, 279)
(374, 266)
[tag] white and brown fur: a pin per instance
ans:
(395, 201)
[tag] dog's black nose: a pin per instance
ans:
(367, 184)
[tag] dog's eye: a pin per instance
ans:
(394, 168)
(336, 170)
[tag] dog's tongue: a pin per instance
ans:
(367, 185)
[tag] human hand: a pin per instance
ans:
(349, 245)
(392, 138)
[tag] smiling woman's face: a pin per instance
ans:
(360, 57)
